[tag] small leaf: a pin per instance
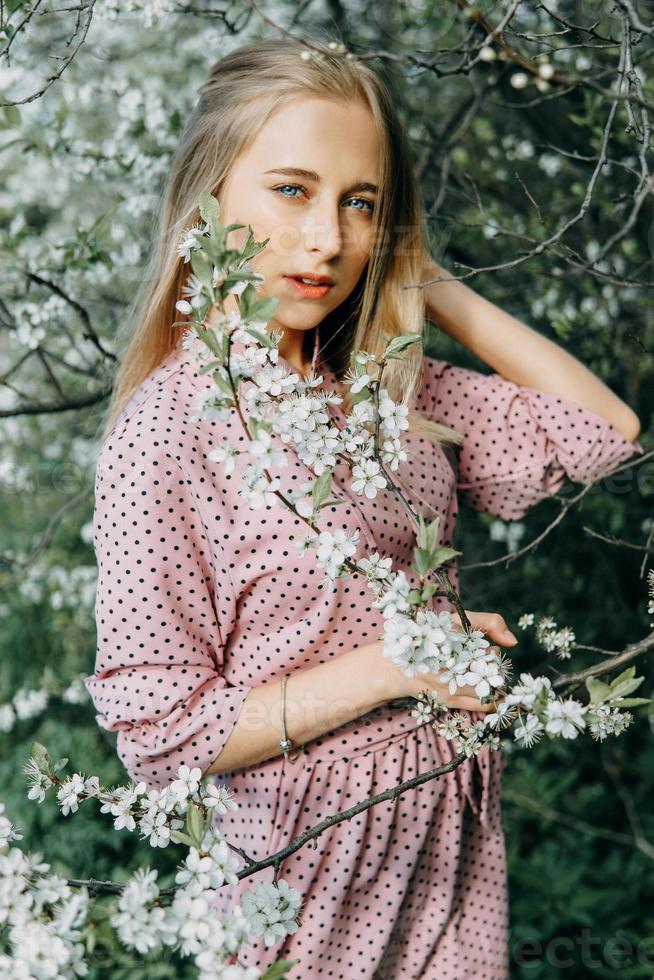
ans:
(209, 366)
(245, 300)
(620, 688)
(441, 555)
(421, 536)
(202, 268)
(41, 755)
(422, 558)
(278, 969)
(210, 211)
(626, 674)
(627, 702)
(597, 690)
(263, 309)
(263, 338)
(195, 822)
(399, 344)
(321, 489)
(432, 533)
(181, 838)
(12, 115)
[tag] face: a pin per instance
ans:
(319, 222)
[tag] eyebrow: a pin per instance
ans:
(360, 185)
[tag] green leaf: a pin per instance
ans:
(202, 268)
(263, 309)
(210, 211)
(626, 674)
(263, 338)
(41, 755)
(427, 535)
(223, 385)
(422, 558)
(625, 683)
(181, 838)
(440, 555)
(209, 366)
(398, 344)
(278, 969)
(12, 115)
(246, 299)
(321, 489)
(422, 532)
(597, 690)
(628, 702)
(195, 822)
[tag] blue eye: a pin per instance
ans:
(292, 186)
(298, 187)
(363, 200)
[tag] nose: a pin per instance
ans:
(322, 230)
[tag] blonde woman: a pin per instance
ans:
(205, 606)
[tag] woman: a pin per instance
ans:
(204, 605)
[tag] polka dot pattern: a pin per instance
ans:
(199, 599)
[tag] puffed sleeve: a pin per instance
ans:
(158, 680)
(519, 443)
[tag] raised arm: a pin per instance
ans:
(519, 353)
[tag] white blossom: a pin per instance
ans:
(529, 731)
(271, 910)
(368, 478)
(334, 548)
(394, 416)
(187, 782)
(225, 453)
(565, 718)
(220, 798)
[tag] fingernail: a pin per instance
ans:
(510, 636)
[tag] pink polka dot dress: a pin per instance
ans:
(200, 598)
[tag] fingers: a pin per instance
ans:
(472, 704)
(492, 624)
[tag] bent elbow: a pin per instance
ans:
(629, 425)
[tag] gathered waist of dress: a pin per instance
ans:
(370, 732)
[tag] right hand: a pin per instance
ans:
(465, 699)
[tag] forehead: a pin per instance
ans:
(328, 136)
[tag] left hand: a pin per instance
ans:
(490, 623)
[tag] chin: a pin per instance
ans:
(286, 320)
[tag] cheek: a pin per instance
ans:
(358, 241)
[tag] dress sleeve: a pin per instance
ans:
(519, 443)
(158, 678)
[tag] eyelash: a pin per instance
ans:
(301, 188)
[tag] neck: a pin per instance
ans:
(296, 346)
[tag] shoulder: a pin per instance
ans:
(443, 382)
(159, 425)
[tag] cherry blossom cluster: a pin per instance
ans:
(548, 634)
(58, 918)
(29, 702)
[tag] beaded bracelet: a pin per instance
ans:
(285, 742)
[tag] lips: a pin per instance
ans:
(309, 291)
(316, 280)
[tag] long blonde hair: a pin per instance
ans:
(241, 92)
